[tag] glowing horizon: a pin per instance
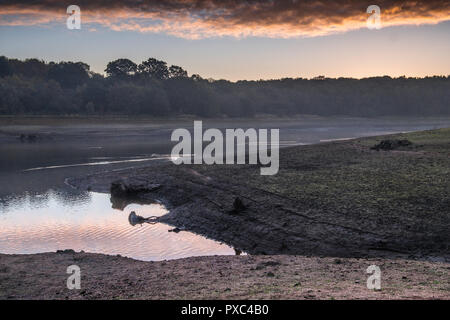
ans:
(236, 40)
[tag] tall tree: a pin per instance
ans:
(121, 68)
(69, 74)
(176, 72)
(5, 68)
(196, 77)
(154, 68)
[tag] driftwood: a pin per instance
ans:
(132, 187)
(134, 219)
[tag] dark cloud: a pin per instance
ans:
(205, 18)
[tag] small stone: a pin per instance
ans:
(238, 205)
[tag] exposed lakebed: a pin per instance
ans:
(40, 213)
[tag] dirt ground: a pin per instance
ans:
(339, 199)
(43, 276)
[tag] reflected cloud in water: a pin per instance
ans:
(32, 223)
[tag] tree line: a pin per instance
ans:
(34, 87)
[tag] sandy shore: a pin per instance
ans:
(43, 276)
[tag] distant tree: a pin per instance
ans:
(196, 77)
(89, 107)
(30, 68)
(34, 68)
(96, 92)
(35, 87)
(69, 74)
(176, 72)
(5, 68)
(121, 68)
(154, 68)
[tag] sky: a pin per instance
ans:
(237, 40)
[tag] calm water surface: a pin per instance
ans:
(52, 221)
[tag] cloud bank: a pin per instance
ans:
(195, 19)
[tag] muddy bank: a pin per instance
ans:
(43, 276)
(339, 199)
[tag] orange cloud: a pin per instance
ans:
(194, 19)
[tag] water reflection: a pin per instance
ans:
(33, 223)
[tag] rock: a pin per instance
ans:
(131, 187)
(391, 144)
(238, 205)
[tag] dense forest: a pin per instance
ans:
(33, 87)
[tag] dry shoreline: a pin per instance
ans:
(311, 231)
(43, 276)
(338, 199)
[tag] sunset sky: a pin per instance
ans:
(233, 39)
